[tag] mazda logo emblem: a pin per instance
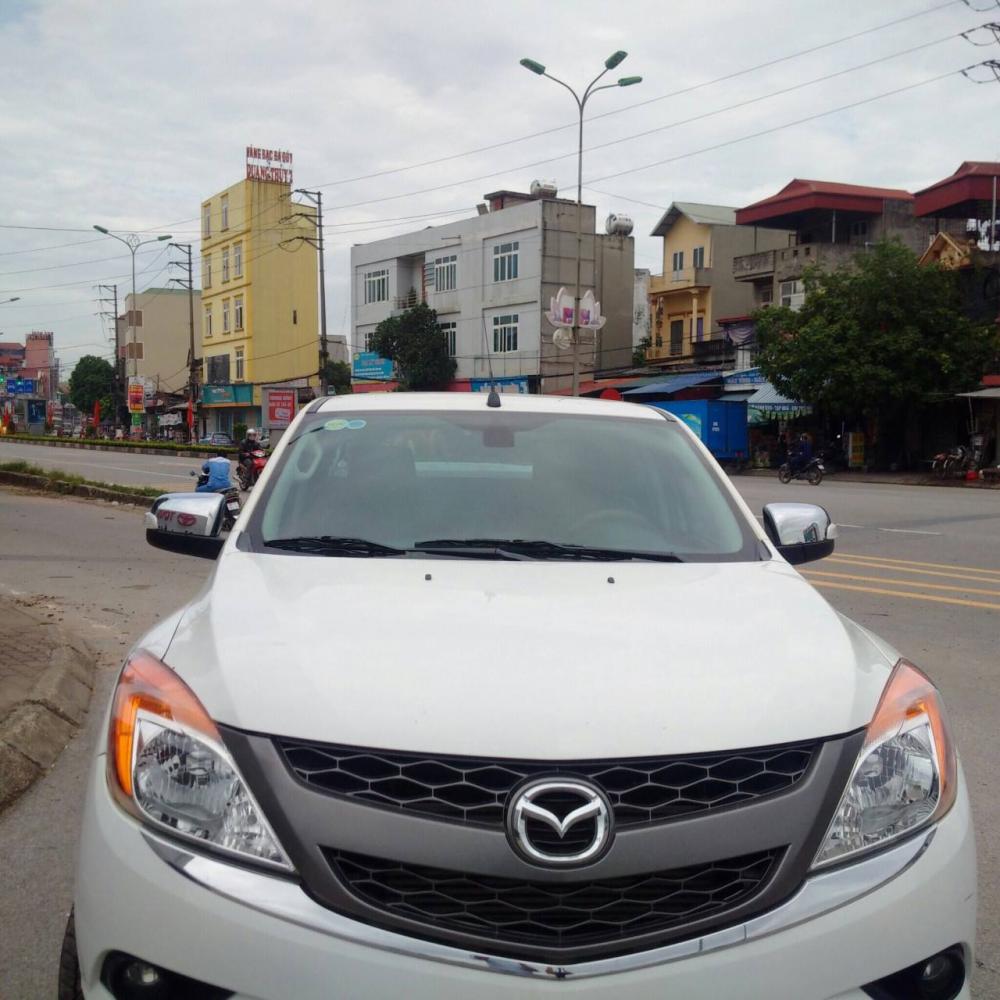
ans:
(557, 822)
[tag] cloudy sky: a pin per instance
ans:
(128, 113)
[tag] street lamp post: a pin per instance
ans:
(16, 298)
(610, 63)
(133, 242)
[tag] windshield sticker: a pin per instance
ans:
(344, 425)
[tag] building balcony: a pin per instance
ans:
(679, 281)
(754, 266)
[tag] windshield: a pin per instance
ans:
(390, 482)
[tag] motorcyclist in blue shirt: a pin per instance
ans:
(217, 470)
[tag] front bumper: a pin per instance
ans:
(262, 938)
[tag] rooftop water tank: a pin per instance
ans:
(544, 189)
(618, 225)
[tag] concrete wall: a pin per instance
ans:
(640, 307)
(165, 336)
(615, 291)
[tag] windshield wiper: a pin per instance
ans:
(333, 545)
(542, 549)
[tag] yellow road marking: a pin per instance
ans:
(884, 579)
(903, 593)
(980, 576)
(841, 556)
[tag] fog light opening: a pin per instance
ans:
(940, 977)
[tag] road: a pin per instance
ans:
(166, 471)
(920, 566)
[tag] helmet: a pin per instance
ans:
(251, 432)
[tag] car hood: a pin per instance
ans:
(525, 659)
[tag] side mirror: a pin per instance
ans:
(189, 523)
(802, 532)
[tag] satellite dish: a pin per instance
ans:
(563, 339)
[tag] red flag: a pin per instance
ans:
(190, 414)
(97, 412)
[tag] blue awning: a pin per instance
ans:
(673, 383)
(767, 399)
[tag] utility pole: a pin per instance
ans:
(119, 386)
(316, 197)
(185, 248)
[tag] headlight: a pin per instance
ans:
(170, 768)
(905, 775)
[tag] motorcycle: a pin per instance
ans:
(952, 463)
(812, 472)
(230, 503)
(249, 476)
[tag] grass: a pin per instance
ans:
(57, 479)
(110, 443)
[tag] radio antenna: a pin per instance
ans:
(493, 400)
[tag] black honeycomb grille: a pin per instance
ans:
(475, 790)
(554, 914)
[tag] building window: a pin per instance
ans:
(505, 262)
(224, 208)
(377, 285)
(238, 312)
(446, 273)
(676, 336)
(449, 330)
(678, 264)
(225, 264)
(206, 271)
(237, 260)
(208, 321)
(225, 315)
(699, 330)
(217, 369)
(239, 364)
(505, 333)
(698, 257)
(206, 219)
(368, 341)
(295, 317)
(859, 230)
(792, 294)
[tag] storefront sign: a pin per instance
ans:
(136, 395)
(371, 366)
(19, 387)
(510, 384)
(749, 376)
(279, 407)
(270, 165)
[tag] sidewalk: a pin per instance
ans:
(885, 478)
(46, 678)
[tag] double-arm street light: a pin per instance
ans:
(133, 242)
(610, 63)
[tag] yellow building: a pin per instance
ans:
(259, 300)
(697, 287)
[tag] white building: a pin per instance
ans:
(490, 279)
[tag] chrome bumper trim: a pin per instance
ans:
(284, 899)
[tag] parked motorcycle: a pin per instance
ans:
(230, 503)
(952, 463)
(248, 476)
(812, 472)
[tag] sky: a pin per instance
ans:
(128, 113)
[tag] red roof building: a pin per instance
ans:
(800, 199)
(969, 193)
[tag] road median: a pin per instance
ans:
(46, 681)
(50, 481)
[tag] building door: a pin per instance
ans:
(676, 336)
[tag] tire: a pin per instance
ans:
(815, 477)
(784, 475)
(69, 965)
(241, 476)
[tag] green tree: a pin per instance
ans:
(338, 377)
(93, 379)
(876, 338)
(418, 347)
(639, 352)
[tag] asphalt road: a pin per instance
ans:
(920, 566)
(166, 471)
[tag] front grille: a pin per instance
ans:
(554, 914)
(641, 790)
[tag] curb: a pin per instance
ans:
(128, 449)
(47, 485)
(876, 480)
(36, 730)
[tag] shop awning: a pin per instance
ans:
(993, 392)
(767, 399)
(673, 383)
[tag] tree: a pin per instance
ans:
(93, 379)
(639, 352)
(876, 338)
(418, 346)
(338, 377)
